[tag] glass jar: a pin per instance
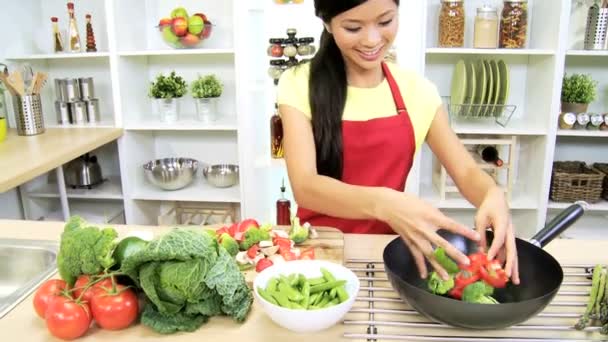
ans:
(275, 70)
(276, 134)
(290, 49)
(514, 24)
(451, 23)
(567, 120)
(604, 126)
(486, 28)
(304, 48)
(582, 119)
(276, 48)
(595, 121)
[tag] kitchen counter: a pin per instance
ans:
(23, 158)
(23, 324)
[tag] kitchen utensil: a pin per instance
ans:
(221, 175)
(78, 109)
(480, 90)
(596, 28)
(28, 78)
(87, 89)
(39, 82)
(540, 274)
(306, 321)
(92, 110)
(17, 82)
(503, 94)
(497, 86)
(8, 84)
(471, 88)
(489, 87)
(62, 109)
(73, 89)
(28, 111)
(83, 172)
(171, 173)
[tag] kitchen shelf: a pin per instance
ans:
(227, 123)
(581, 133)
(80, 55)
(100, 124)
(473, 51)
(198, 191)
(92, 212)
(601, 206)
(587, 53)
(429, 194)
(176, 52)
(108, 190)
(515, 127)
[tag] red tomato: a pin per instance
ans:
(263, 264)
(246, 224)
(67, 319)
(288, 255)
(221, 231)
(307, 254)
(83, 281)
(283, 243)
(115, 310)
(233, 229)
(47, 292)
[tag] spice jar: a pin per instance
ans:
(513, 24)
(276, 68)
(451, 23)
(595, 121)
(486, 28)
(290, 49)
(604, 126)
(582, 119)
(567, 120)
(276, 47)
(304, 48)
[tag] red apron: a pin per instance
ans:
(377, 152)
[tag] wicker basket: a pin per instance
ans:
(575, 181)
(603, 167)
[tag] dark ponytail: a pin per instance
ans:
(327, 93)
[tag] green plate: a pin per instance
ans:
(471, 88)
(481, 87)
(503, 95)
(489, 87)
(497, 84)
(459, 84)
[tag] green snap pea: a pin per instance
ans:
(272, 284)
(326, 286)
(316, 281)
(290, 292)
(281, 299)
(327, 275)
(333, 293)
(323, 302)
(266, 296)
(313, 298)
(305, 294)
(297, 306)
(293, 280)
(342, 294)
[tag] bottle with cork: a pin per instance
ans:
(74, 36)
(57, 37)
(91, 46)
(283, 208)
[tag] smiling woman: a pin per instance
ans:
(352, 126)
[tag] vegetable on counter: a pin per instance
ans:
(597, 305)
(295, 291)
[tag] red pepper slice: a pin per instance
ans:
(253, 251)
(283, 243)
(456, 292)
(466, 277)
(288, 255)
(493, 274)
(307, 254)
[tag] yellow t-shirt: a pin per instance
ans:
(419, 94)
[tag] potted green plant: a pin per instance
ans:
(206, 91)
(578, 90)
(166, 92)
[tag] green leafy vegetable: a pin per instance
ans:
(229, 243)
(187, 277)
(445, 261)
(438, 285)
(596, 279)
(168, 87)
(84, 249)
(252, 236)
(479, 292)
(298, 233)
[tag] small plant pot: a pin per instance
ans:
(568, 107)
(206, 109)
(168, 109)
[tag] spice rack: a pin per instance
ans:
(290, 48)
(503, 175)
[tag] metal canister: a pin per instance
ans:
(61, 90)
(79, 112)
(87, 90)
(73, 90)
(92, 110)
(63, 112)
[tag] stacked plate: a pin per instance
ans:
(479, 88)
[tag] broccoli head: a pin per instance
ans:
(252, 236)
(229, 243)
(479, 292)
(298, 233)
(438, 285)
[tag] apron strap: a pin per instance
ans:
(394, 89)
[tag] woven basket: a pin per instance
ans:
(575, 181)
(603, 168)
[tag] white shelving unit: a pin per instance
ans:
(131, 53)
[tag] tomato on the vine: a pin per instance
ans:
(47, 292)
(67, 319)
(83, 281)
(115, 309)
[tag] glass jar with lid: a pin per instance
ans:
(514, 24)
(451, 23)
(486, 28)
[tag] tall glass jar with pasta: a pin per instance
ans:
(451, 23)
(513, 24)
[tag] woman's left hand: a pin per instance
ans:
(494, 213)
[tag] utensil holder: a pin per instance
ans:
(597, 27)
(28, 112)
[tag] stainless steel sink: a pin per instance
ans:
(24, 265)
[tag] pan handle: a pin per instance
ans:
(560, 223)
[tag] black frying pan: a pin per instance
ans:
(540, 278)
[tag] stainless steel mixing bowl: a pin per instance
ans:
(221, 175)
(171, 173)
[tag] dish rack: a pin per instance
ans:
(499, 113)
(199, 214)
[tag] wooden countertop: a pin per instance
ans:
(23, 324)
(23, 158)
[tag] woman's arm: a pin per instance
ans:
(471, 180)
(316, 192)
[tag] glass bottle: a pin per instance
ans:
(489, 154)
(451, 23)
(276, 134)
(283, 208)
(57, 38)
(486, 28)
(74, 36)
(513, 24)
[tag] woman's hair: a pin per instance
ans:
(327, 91)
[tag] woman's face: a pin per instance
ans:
(365, 33)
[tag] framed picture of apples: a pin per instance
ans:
(182, 30)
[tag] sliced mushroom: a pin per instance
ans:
(272, 250)
(281, 233)
(242, 258)
(258, 258)
(265, 243)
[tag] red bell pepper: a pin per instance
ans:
(466, 277)
(494, 274)
(253, 251)
(283, 243)
(307, 254)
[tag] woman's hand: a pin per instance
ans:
(417, 222)
(494, 213)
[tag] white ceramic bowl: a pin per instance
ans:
(304, 321)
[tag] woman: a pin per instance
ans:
(352, 126)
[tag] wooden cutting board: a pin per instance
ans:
(329, 245)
